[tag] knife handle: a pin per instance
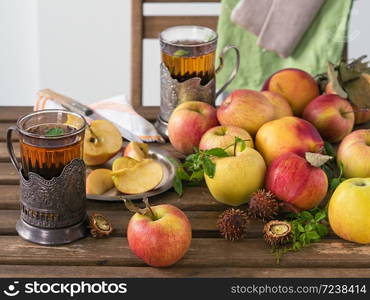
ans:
(66, 102)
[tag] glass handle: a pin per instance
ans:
(10, 148)
(234, 71)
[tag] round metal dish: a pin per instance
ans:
(156, 153)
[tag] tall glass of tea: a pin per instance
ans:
(188, 69)
(52, 176)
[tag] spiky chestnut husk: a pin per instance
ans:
(263, 205)
(232, 224)
(99, 226)
(277, 233)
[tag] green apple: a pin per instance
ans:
(237, 177)
(349, 210)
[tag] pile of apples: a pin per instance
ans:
(280, 124)
(133, 173)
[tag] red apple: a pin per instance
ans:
(293, 180)
(246, 109)
(223, 137)
(188, 122)
(296, 86)
(331, 115)
(281, 105)
(354, 154)
(288, 134)
(161, 240)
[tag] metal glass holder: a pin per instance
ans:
(53, 212)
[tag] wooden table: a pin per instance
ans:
(208, 256)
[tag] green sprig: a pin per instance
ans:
(201, 162)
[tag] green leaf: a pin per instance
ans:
(209, 167)
(334, 183)
(191, 157)
(197, 175)
(181, 52)
(300, 228)
(181, 174)
(320, 216)
(308, 227)
(322, 230)
(329, 150)
(306, 215)
(54, 131)
(313, 235)
(218, 152)
(177, 185)
(297, 246)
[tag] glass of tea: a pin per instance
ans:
(188, 71)
(49, 140)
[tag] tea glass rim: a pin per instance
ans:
(213, 40)
(39, 112)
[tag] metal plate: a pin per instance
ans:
(156, 153)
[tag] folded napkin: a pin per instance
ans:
(286, 23)
(251, 14)
(116, 109)
(323, 41)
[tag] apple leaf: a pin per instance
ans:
(358, 91)
(317, 159)
(209, 167)
(347, 74)
(329, 150)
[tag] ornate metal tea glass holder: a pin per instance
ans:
(53, 212)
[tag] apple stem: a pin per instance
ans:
(147, 205)
(94, 136)
(147, 211)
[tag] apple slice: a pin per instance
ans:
(133, 177)
(136, 150)
(99, 181)
(102, 141)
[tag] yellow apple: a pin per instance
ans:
(349, 210)
(237, 177)
(102, 141)
(99, 181)
(134, 177)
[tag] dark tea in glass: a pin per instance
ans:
(49, 140)
(188, 52)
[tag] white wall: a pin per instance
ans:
(82, 47)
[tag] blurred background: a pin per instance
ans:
(81, 48)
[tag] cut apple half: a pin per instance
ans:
(134, 177)
(102, 141)
(99, 181)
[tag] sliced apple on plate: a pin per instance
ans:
(135, 177)
(102, 141)
(136, 150)
(99, 181)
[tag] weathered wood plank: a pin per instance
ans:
(194, 199)
(4, 156)
(18, 271)
(203, 223)
(153, 25)
(255, 253)
(8, 174)
(3, 128)
(12, 113)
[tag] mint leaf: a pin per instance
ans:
(181, 52)
(218, 152)
(209, 167)
(54, 131)
(177, 185)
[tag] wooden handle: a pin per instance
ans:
(66, 102)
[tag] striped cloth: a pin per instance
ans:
(117, 110)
